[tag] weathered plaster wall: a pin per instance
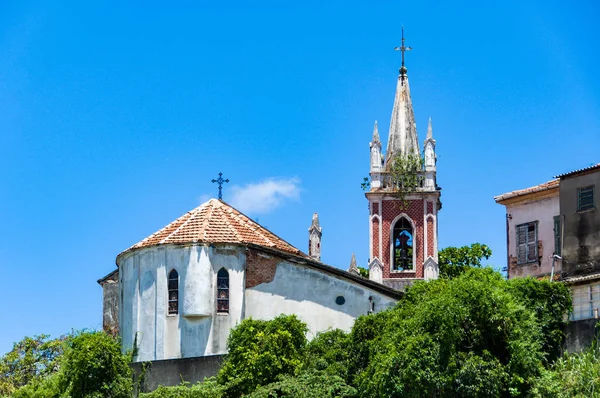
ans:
(197, 330)
(581, 334)
(110, 304)
(311, 295)
(581, 231)
(542, 211)
(171, 372)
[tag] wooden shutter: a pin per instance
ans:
(531, 242)
(521, 244)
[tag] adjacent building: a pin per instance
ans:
(580, 231)
(533, 233)
(553, 230)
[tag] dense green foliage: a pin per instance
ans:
(86, 365)
(30, 359)
(575, 375)
(454, 261)
(208, 389)
(549, 301)
(474, 334)
(260, 351)
(93, 366)
(467, 337)
(307, 385)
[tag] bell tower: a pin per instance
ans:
(403, 201)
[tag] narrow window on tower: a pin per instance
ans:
(223, 291)
(173, 287)
(402, 245)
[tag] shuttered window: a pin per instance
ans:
(557, 235)
(585, 198)
(527, 243)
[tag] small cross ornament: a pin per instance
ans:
(220, 182)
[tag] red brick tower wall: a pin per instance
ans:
(390, 210)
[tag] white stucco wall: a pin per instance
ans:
(197, 330)
(311, 295)
(542, 211)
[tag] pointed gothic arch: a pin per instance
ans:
(403, 245)
(223, 291)
(173, 292)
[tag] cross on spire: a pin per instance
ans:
(220, 182)
(402, 49)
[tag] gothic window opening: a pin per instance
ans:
(223, 291)
(173, 287)
(527, 243)
(403, 245)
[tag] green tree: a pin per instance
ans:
(454, 261)
(260, 351)
(328, 352)
(207, 389)
(574, 375)
(469, 336)
(307, 385)
(30, 359)
(93, 367)
(549, 301)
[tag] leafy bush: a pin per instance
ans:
(93, 366)
(208, 389)
(259, 351)
(31, 359)
(307, 385)
(575, 375)
(466, 337)
(328, 352)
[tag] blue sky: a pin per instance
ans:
(115, 116)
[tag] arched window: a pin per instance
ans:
(223, 291)
(173, 292)
(403, 245)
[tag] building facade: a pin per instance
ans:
(553, 229)
(580, 224)
(533, 230)
(182, 289)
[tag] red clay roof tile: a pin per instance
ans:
(215, 222)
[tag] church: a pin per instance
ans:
(176, 294)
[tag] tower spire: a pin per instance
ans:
(402, 139)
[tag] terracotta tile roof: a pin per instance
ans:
(215, 222)
(521, 192)
(570, 173)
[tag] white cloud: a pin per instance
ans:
(265, 196)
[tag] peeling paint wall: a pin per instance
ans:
(581, 241)
(197, 329)
(110, 304)
(542, 211)
(260, 285)
(314, 296)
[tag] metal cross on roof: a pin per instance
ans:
(402, 49)
(220, 181)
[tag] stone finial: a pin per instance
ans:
(376, 139)
(353, 267)
(429, 130)
(314, 238)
